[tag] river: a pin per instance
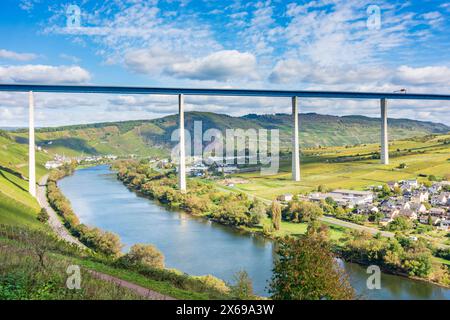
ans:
(197, 246)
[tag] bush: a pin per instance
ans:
(242, 288)
(307, 270)
(400, 224)
(43, 216)
(104, 242)
(146, 255)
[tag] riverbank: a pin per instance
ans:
(203, 287)
(411, 260)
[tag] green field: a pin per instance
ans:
(340, 167)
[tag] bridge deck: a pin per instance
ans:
(220, 92)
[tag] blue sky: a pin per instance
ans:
(317, 45)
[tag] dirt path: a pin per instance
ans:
(54, 221)
(144, 292)
(61, 231)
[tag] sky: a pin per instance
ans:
(360, 45)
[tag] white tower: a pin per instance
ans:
(31, 147)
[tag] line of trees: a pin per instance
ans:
(235, 209)
(400, 255)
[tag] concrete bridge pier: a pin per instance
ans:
(384, 154)
(182, 160)
(31, 147)
(295, 142)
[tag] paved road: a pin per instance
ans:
(355, 226)
(54, 221)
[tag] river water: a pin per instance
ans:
(197, 246)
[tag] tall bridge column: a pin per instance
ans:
(295, 142)
(384, 155)
(31, 147)
(182, 160)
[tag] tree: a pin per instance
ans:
(398, 191)
(105, 242)
(43, 215)
(385, 191)
(147, 255)
(400, 223)
(242, 288)
(276, 215)
(307, 270)
(318, 229)
(257, 212)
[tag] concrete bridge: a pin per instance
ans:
(181, 92)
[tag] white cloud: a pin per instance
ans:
(6, 54)
(423, 76)
(433, 18)
(151, 60)
(219, 66)
(44, 74)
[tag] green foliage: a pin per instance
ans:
(242, 288)
(5, 135)
(202, 199)
(302, 211)
(101, 241)
(43, 216)
(307, 270)
(400, 223)
(386, 191)
(400, 255)
(258, 212)
(276, 215)
(146, 255)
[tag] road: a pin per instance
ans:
(355, 226)
(54, 221)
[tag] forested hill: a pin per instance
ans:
(143, 137)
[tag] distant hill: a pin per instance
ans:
(145, 137)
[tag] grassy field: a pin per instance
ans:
(342, 167)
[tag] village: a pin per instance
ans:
(59, 160)
(423, 203)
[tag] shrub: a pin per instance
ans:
(146, 255)
(43, 216)
(104, 242)
(307, 270)
(400, 224)
(242, 288)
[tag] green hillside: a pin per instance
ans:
(152, 137)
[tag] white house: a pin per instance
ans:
(440, 199)
(53, 165)
(438, 212)
(417, 207)
(286, 197)
(419, 197)
(444, 225)
(409, 184)
(408, 213)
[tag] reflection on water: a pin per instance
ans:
(197, 246)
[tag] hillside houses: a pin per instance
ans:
(417, 202)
